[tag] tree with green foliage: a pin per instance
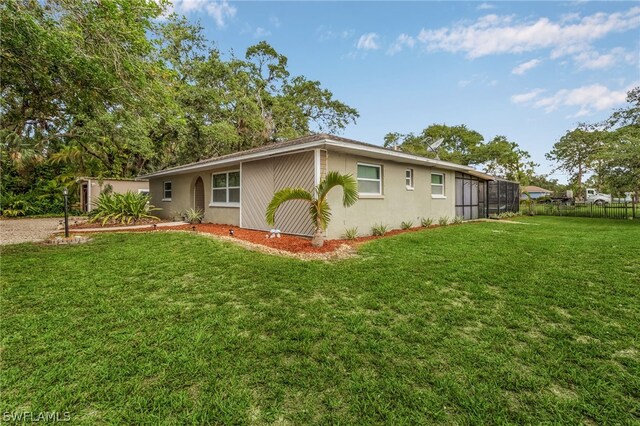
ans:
(460, 144)
(106, 89)
(319, 209)
(576, 153)
(506, 159)
(465, 146)
(620, 157)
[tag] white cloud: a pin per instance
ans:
(588, 99)
(485, 6)
(275, 21)
(220, 11)
(261, 33)
(526, 97)
(368, 42)
(593, 60)
(526, 66)
(402, 41)
(493, 34)
(328, 33)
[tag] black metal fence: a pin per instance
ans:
(611, 211)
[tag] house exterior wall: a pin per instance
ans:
(96, 186)
(262, 178)
(396, 204)
(183, 197)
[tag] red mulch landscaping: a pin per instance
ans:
(290, 243)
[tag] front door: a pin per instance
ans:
(198, 193)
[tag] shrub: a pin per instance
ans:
(379, 230)
(443, 221)
(458, 220)
(122, 208)
(406, 225)
(426, 222)
(193, 215)
(350, 233)
(14, 205)
(508, 215)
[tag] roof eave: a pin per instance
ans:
(320, 143)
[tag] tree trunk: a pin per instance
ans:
(318, 237)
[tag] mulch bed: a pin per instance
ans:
(287, 243)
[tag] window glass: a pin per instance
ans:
(234, 195)
(437, 184)
(369, 186)
(234, 179)
(408, 177)
(219, 195)
(220, 181)
(368, 172)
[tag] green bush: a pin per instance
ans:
(406, 225)
(122, 208)
(426, 222)
(193, 215)
(458, 220)
(443, 221)
(350, 233)
(379, 230)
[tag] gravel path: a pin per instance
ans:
(14, 231)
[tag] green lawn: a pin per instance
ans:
(471, 324)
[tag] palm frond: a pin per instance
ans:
(347, 182)
(282, 196)
(320, 213)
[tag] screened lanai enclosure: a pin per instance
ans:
(503, 196)
(477, 198)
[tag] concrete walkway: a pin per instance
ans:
(124, 228)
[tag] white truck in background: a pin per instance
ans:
(592, 197)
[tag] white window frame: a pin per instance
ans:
(370, 194)
(443, 195)
(408, 179)
(164, 190)
(227, 188)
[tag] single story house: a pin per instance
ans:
(90, 188)
(394, 186)
(535, 192)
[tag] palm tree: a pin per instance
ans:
(319, 210)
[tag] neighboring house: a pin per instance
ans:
(90, 189)
(535, 192)
(394, 186)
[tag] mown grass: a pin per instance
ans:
(471, 324)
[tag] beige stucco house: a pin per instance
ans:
(394, 186)
(90, 188)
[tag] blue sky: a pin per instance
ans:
(527, 70)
